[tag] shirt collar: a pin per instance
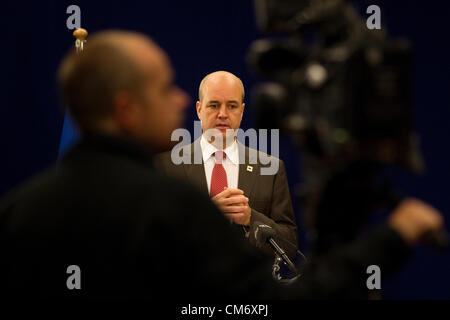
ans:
(208, 150)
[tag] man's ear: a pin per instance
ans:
(199, 108)
(242, 114)
(125, 110)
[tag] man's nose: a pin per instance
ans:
(182, 98)
(223, 112)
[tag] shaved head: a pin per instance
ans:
(214, 77)
(221, 105)
(112, 61)
(122, 83)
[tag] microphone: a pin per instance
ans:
(266, 234)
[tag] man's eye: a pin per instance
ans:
(232, 106)
(213, 106)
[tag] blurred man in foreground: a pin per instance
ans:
(135, 233)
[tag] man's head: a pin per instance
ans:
(122, 83)
(221, 102)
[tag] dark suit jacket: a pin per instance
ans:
(269, 196)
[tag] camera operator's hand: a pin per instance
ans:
(414, 219)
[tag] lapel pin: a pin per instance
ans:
(249, 168)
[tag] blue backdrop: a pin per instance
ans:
(201, 37)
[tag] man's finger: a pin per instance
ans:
(227, 193)
(233, 209)
(234, 200)
(231, 192)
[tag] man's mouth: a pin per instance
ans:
(222, 126)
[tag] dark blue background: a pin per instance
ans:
(201, 37)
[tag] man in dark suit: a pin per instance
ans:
(105, 223)
(245, 194)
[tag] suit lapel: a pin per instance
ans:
(247, 170)
(195, 171)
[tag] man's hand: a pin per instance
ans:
(413, 219)
(234, 205)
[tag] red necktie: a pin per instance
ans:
(218, 176)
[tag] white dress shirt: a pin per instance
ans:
(230, 162)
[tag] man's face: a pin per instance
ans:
(221, 105)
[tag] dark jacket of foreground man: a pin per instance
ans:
(136, 233)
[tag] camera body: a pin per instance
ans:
(343, 93)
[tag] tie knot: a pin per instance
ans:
(219, 155)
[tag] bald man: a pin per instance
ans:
(236, 185)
